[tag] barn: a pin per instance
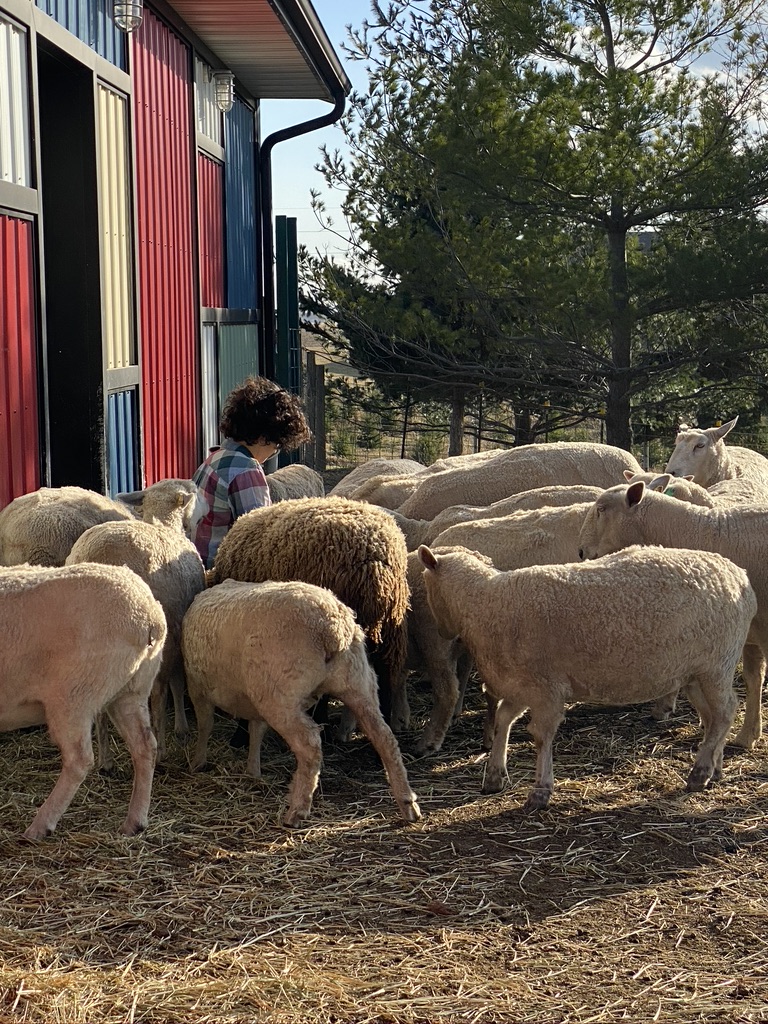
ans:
(137, 242)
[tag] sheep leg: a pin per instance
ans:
(131, 718)
(544, 724)
(73, 738)
(753, 666)
(177, 685)
(463, 671)
(381, 736)
(204, 713)
(440, 667)
(716, 705)
(257, 729)
(489, 721)
(158, 702)
(496, 777)
(106, 757)
(303, 737)
(664, 707)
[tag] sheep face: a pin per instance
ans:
(698, 453)
(440, 610)
(612, 522)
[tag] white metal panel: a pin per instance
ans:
(208, 114)
(115, 212)
(210, 386)
(15, 159)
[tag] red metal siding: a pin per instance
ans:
(210, 189)
(19, 438)
(163, 134)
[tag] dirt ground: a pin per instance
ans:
(628, 900)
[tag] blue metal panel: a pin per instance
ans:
(121, 438)
(92, 22)
(240, 191)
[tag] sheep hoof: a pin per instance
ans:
(494, 783)
(426, 745)
(538, 800)
(33, 833)
(183, 737)
(745, 739)
(133, 828)
(410, 810)
(698, 779)
(295, 819)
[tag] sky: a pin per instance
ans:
(293, 161)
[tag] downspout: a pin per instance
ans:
(269, 328)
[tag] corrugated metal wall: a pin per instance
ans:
(19, 436)
(15, 165)
(240, 186)
(115, 223)
(92, 22)
(237, 356)
(168, 310)
(210, 387)
(121, 438)
(210, 198)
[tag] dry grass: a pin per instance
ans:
(628, 901)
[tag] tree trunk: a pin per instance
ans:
(456, 434)
(525, 432)
(618, 424)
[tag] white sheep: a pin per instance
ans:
(168, 501)
(40, 528)
(518, 469)
(80, 640)
(169, 563)
(546, 636)
(374, 467)
(704, 456)
(266, 652)
(553, 496)
(390, 491)
(536, 537)
(295, 481)
(424, 531)
(634, 514)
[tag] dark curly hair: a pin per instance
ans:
(258, 409)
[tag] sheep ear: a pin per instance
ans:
(720, 432)
(660, 483)
(131, 497)
(688, 477)
(426, 557)
(635, 493)
(628, 474)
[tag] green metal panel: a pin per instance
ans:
(237, 356)
(288, 369)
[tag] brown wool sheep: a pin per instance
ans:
(353, 549)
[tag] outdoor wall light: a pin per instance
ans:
(128, 14)
(224, 90)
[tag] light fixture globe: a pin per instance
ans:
(224, 90)
(128, 14)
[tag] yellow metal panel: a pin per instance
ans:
(115, 194)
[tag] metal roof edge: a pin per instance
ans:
(302, 23)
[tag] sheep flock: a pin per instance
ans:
(558, 574)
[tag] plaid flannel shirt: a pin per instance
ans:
(229, 483)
